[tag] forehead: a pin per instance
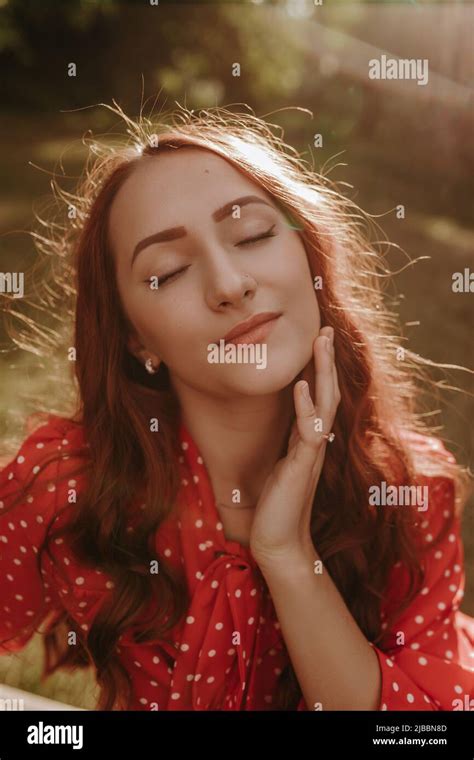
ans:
(179, 187)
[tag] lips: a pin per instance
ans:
(252, 328)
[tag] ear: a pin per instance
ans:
(138, 350)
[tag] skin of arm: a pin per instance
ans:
(335, 665)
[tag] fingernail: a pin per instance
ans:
(328, 345)
(331, 334)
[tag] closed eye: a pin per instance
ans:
(161, 279)
(269, 234)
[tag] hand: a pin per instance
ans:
(281, 525)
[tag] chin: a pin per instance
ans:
(251, 381)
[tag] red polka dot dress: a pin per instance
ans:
(228, 651)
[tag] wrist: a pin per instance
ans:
(288, 563)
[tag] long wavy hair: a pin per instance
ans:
(113, 402)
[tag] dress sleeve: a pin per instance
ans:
(422, 665)
(27, 590)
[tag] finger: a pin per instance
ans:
(309, 441)
(337, 392)
(308, 373)
(324, 371)
(328, 331)
(294, 435)
(313, 422)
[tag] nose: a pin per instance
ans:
(228, 285)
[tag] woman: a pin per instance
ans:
(204, 531)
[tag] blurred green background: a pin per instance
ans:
(388, 142)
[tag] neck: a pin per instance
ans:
(239, 441)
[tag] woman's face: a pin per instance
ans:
(176, 319)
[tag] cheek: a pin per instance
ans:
(149, 322)
(170, 330)
(141, 314)
(292, 261)
(297, 279)
(305, 299)
(307, 283)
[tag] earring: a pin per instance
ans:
(149, 367)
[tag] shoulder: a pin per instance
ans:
(429, 447)
(436, 519)
(54, 448)
(434, 465)
(46, 435)
(440, 490)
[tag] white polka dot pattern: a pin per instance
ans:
(227, 651)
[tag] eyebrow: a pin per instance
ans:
(173, 233)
